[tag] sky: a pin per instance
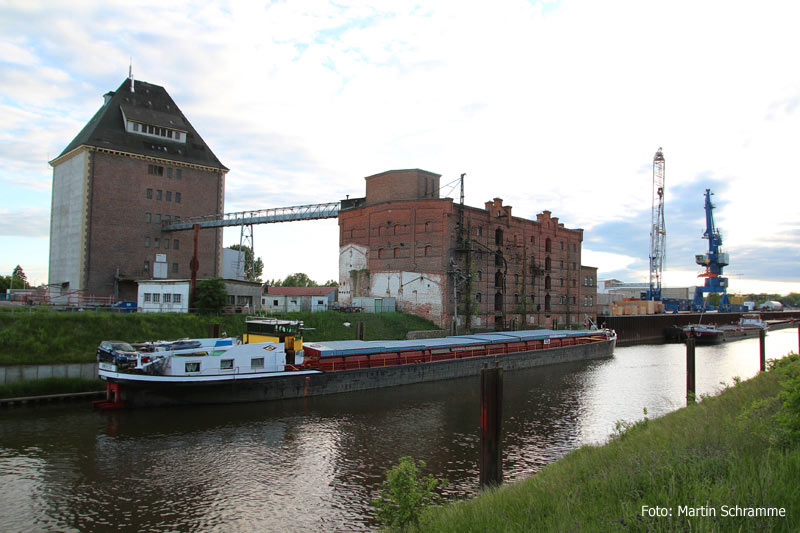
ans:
(549, 105)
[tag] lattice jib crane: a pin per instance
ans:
(714, 262)
(658, 230)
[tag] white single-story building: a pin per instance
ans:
(288, 299)
(172, 296)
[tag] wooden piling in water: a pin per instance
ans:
(491, 463)
(690, 368)
(762, 341)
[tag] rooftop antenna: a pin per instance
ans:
(130, 72)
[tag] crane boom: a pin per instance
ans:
(715, 260)
(658, 231)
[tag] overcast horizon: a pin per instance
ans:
(549, 105)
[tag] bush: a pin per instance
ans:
(210, 296)
(405, 493)
(788, 416)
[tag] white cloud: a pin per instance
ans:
(555, 106)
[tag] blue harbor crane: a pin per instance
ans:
(713, 261)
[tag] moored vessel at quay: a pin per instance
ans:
(749, 325)
(272, 363)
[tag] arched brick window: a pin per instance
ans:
(498, 259)
(498, 279)
(498, 236)
(498, 301)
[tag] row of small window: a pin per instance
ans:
(562, 299)
(158, 170)
(157, 298)
(167, 218)
(499, 261)
(587, 300)
(224, 364)
(160, 194)
(146, 267)
(149, 129)
(498, 239)
(394, 253)
(162, 243)
(588, 281)
(498, 279)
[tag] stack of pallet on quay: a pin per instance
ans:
(636, 307)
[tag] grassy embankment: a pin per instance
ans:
(728, 450)
(53, 337)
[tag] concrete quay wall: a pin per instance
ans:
(12, 374)
(650, 329)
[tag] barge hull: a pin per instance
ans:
(143, 394)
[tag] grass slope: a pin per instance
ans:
(41, 338)
(724, 451)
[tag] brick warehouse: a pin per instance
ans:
(403, 241)
(137, 163)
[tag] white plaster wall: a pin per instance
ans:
(68, 221)
(351, 257)
(232, 267)
(416, 292)
(181, 288)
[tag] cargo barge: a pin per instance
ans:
(273, 364)
(749, 325)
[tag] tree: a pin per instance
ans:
(714, 299)
(298, 280)
(20, 280)
(210, 296)
(252, 269)
(791, 300)
(331, 283)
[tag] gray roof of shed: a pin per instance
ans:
(153, 105)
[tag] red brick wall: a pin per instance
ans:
(118, 226)
(541, 277)
(401, 185)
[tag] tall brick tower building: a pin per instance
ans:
(440, 259)
(136, 164)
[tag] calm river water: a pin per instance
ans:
(315, 464)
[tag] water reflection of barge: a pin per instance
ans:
(273, 363)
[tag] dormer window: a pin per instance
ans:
(155, 131)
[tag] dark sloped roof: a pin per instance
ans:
(150, 104)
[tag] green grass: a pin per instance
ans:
(724, 451)
(43, 387)
(377, 326)
(59, 337)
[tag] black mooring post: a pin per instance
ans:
(491, 417)
(690, 385)
(360, 326)
(762, 341)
